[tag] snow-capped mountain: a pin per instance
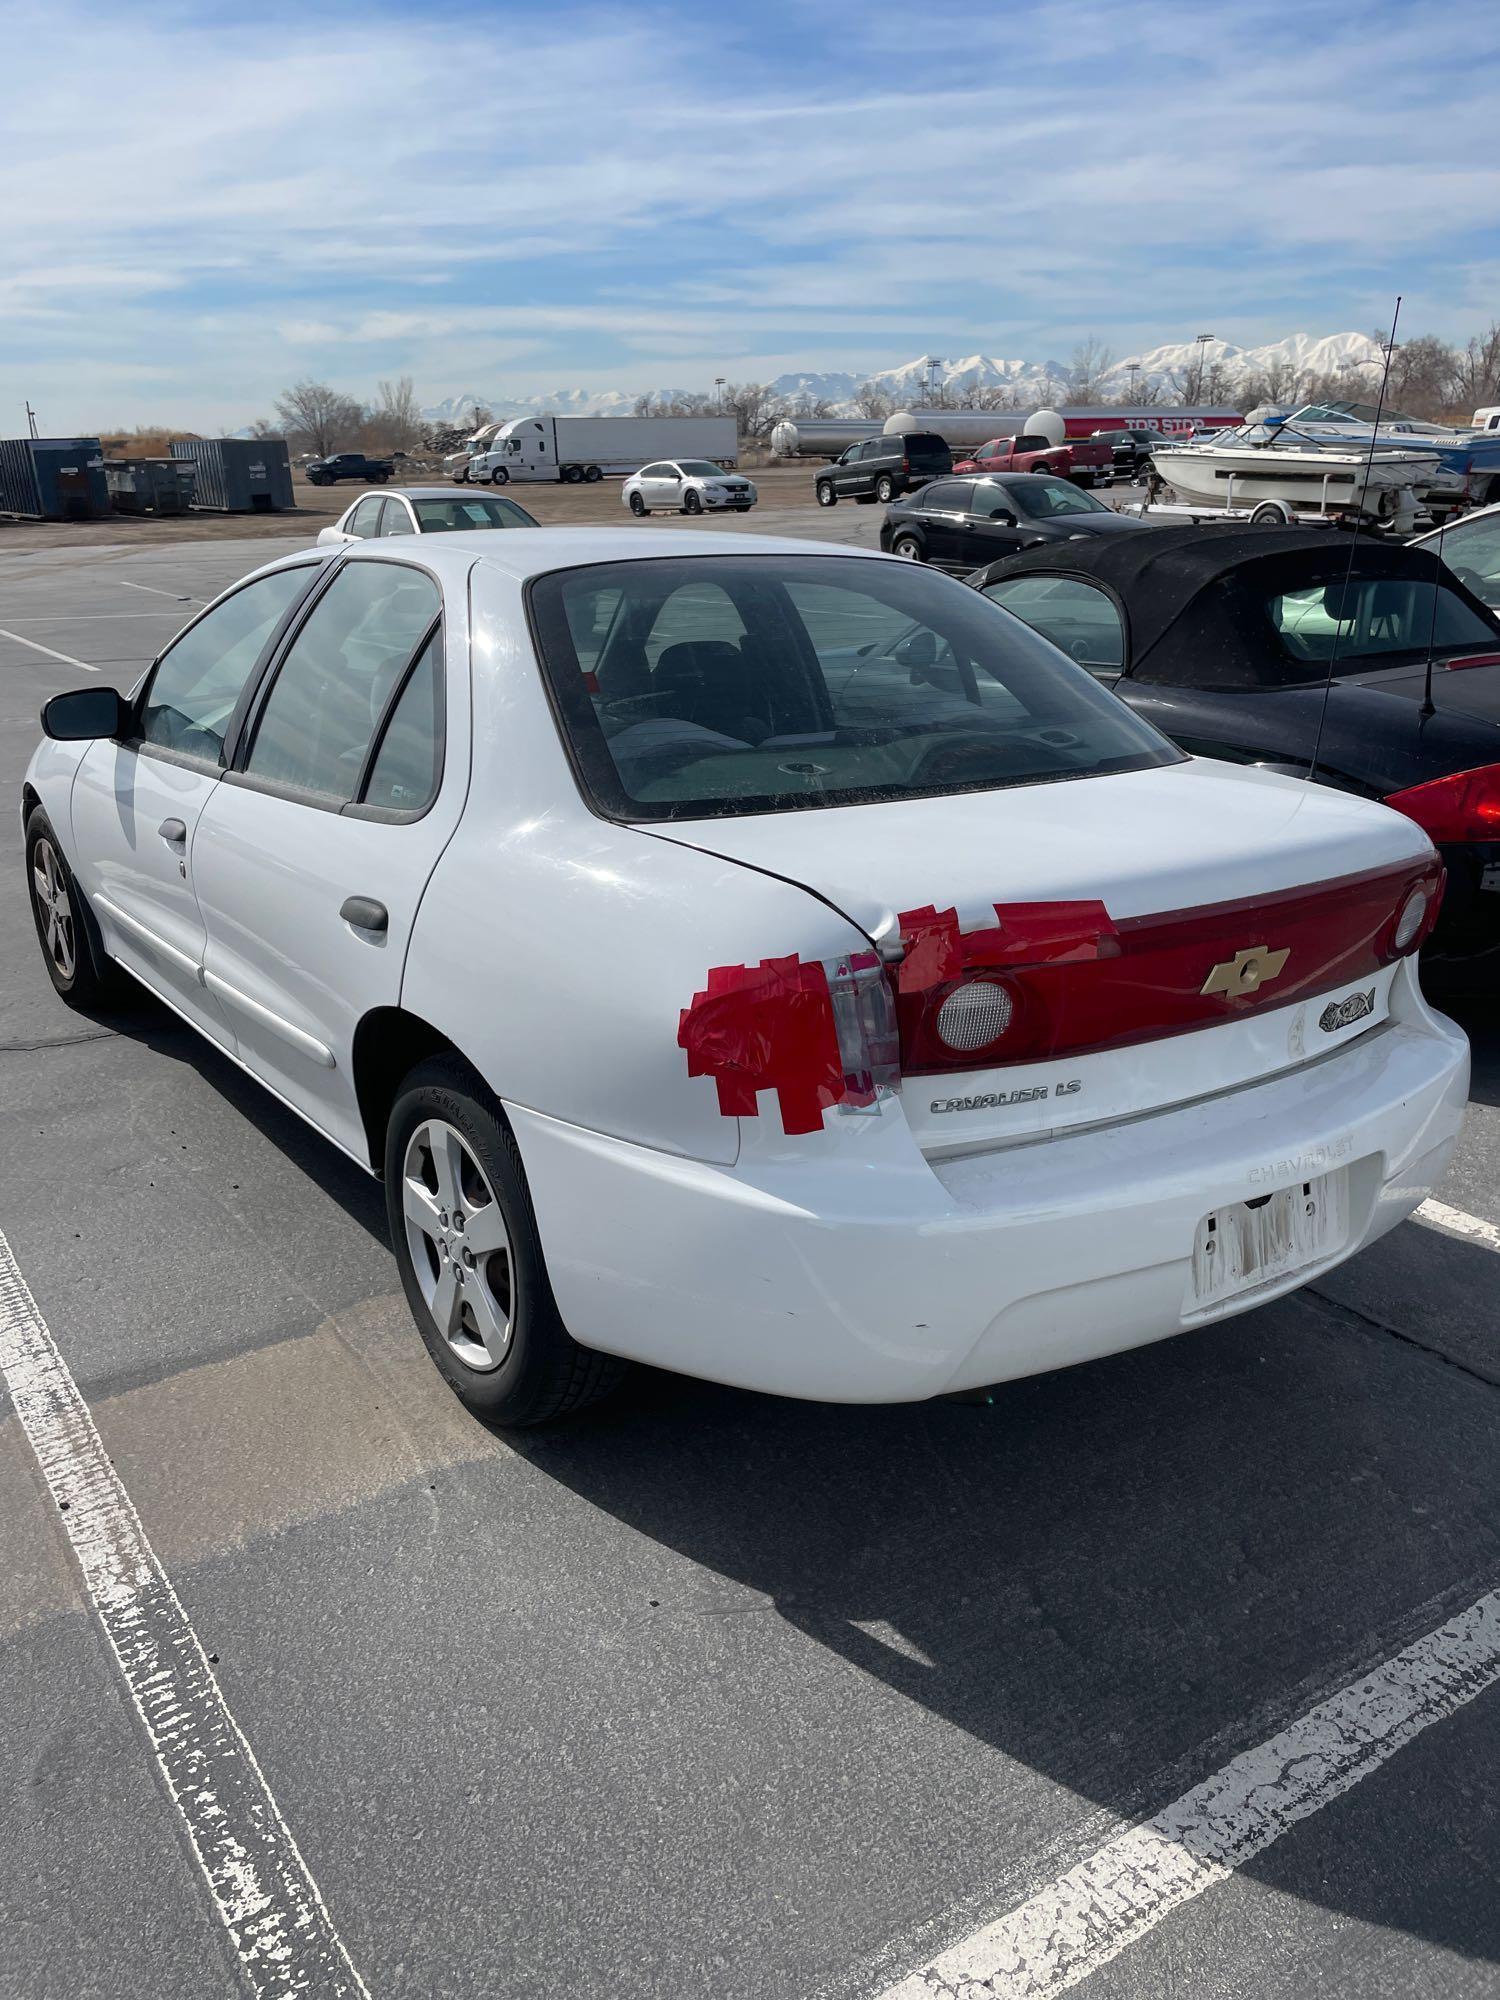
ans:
(912, 383)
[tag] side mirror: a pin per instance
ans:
(1006, 518)
(918, 652)
(331, 537)
(85, 714)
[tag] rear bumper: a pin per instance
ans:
(842, 1280)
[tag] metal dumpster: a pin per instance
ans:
(150, 485)
(53, 479)
(239, 475)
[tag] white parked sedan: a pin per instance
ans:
(774, 963)
(687, 486)
(422, 510)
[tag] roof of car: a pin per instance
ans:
(1434, 536)
(1192, 597)
(448, 492)
(527, 552)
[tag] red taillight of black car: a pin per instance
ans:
(1463, 806)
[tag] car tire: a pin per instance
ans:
(592, 474)
(572, 475)
(1269, 514)
(499, 477)
(461, 478)
(692, 502)
(885, 489)
(908, 547)
(638, 506)
(502, 1346)
(64, 929)
(827, 497)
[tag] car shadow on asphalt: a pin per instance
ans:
(1119, 1575)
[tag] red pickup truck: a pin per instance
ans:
(1086, 461)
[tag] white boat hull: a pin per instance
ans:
(1324, 481)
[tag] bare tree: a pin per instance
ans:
(1426, 376)
(1092, 362)
(1479, 369)
(993, 396)
(755, 408)
(321, 415)
(872, 403)
(395, 422)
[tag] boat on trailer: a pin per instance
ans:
(1260, 473)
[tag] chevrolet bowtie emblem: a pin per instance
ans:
(1246, 972)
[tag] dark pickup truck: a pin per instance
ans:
(348, 465)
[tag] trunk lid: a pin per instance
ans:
(1102, 907)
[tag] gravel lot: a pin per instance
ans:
(708, 1694)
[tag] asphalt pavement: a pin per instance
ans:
(711, 1694)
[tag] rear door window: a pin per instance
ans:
(1472, 551)
(331, 691)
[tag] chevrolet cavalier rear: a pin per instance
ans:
(900, 1013)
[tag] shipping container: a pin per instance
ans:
(150, 485)
(53, 479)
(239, 475)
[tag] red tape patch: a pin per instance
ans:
(1025, 934)
(766, 1027)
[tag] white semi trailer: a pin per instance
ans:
(578, 448)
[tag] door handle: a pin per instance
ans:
(173, 831)
(365, 913)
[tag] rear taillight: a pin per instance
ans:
(820, 1033)
(1472, 660)
(1065, 979)
(1463, 806)
(906, 465)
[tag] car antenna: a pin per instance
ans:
(1385, 374)
(1429, 707)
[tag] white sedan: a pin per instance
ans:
(687, 486)
(422, 510)
(773, 963)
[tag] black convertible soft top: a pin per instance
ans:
(1193, 599)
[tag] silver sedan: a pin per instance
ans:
(423, 510)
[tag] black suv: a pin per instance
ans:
(1132, 448)
(880, 468)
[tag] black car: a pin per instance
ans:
(970, 519)
(1244, 643)
(1132, 448)
(881, 468)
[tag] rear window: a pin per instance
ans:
(926, 448)
(459, 513)
(1077, 616)
(1344, 624)
(692, 687)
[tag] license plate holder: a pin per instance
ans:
(1247, 1244)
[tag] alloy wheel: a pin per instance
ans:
(459, 1245)
(54, 908)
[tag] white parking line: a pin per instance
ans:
(1091, 1914)
(268, 1902)
(1456, 1223)
(177, 596)
(51, 651)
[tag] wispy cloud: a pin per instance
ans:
(608, 193)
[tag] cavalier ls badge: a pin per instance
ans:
(1246, 972)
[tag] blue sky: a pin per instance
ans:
(203, 202)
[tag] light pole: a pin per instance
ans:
(719, 385)
(1201, 340)
(1135, 369)
(934, 369)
